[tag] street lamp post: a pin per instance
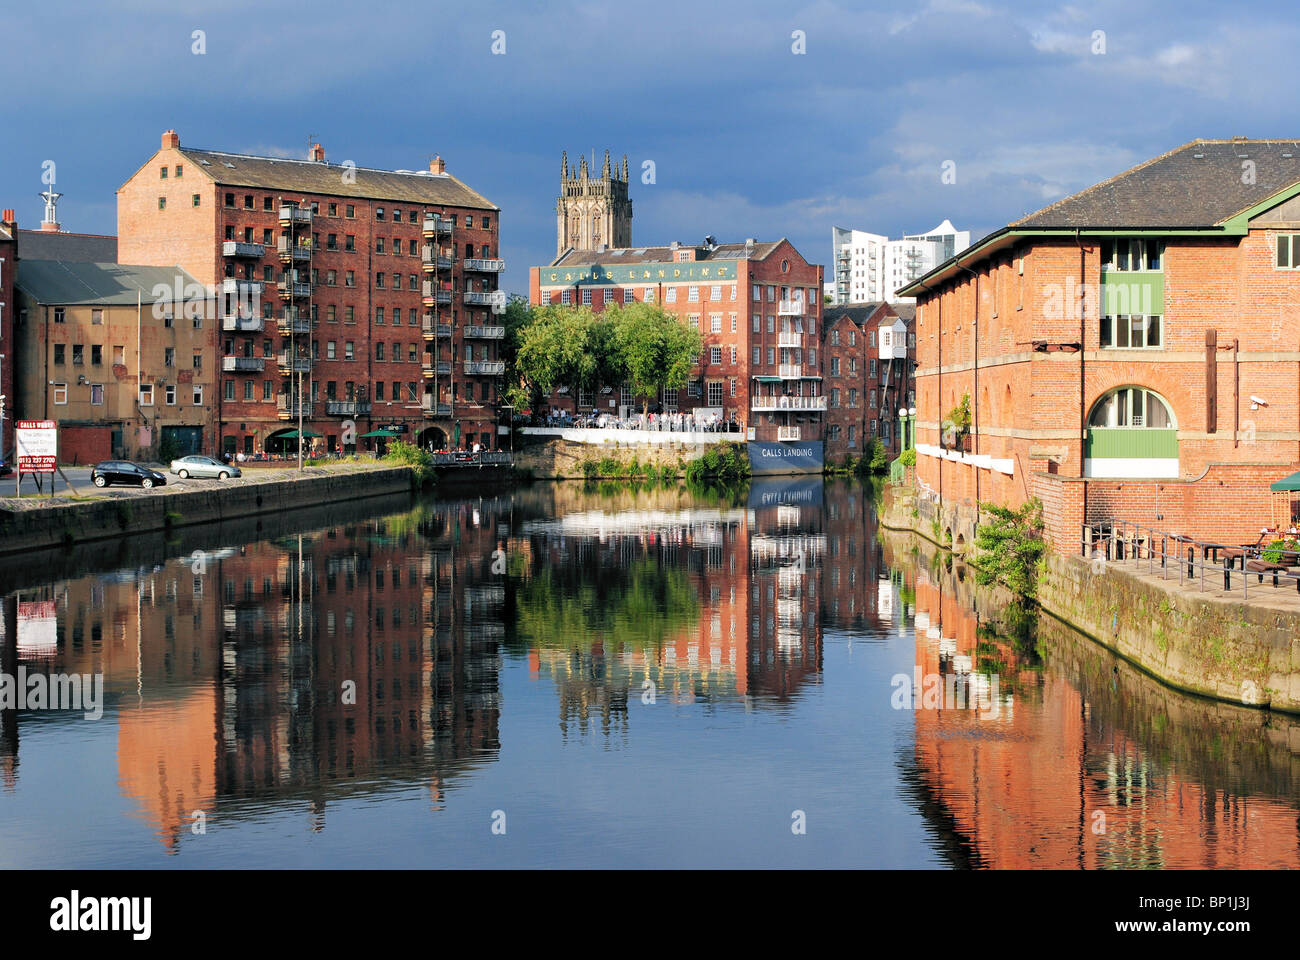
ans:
(902, 429)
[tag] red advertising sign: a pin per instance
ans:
(37, 446)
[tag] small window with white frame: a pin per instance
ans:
(1288, 251)
(146, 394)
(1126, 254)
(586, 296)
(1132, 331)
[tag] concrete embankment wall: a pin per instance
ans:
(34, 527)
(1241, 652)
(557, 458)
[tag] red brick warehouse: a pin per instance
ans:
(1130, 351)
(351, 295)
(757, 308)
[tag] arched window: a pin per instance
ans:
(1132, 407)
(1131, 433)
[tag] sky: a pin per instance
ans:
(759, 119)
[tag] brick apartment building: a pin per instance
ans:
(125, 373)
(8, 350)
(757, 307)
(356, 299)
(866, 378)
(1132, 350)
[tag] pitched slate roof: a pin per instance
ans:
(616, 255)
(327, 179)
(59, 282)
(859, 313)
(76, 247)
(1200, 184)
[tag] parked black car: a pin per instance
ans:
(109, 472)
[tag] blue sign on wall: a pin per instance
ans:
(797, 457)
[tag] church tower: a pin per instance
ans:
(592, 211)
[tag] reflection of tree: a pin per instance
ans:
(580, 606)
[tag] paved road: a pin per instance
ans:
(80, 477)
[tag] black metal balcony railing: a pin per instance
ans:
(293, 291)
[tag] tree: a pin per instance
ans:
(656, 350)
(518, 316)
(553, 351)
(1011, 544)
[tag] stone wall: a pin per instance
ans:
(63, 523)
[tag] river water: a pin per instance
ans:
(574, 675)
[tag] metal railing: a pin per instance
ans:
(1124, 541)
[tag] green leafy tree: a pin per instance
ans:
(553, 351)
(656, 350)
(518, 316)
(1011, 544)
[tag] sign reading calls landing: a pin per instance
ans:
(599, 273)
(37, 446)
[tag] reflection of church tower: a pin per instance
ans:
(592, 212)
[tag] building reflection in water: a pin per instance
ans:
(705, 600)
(1087, 763)
(362, 657)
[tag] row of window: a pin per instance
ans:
(414, 217)
(60, 357)
(628, 294)
(852, 398)
(146, 395)
(402, 391)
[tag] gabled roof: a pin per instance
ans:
(1203, 186)
(1200, 184)
(615, 255)
(328, 179)
(65, 283)
(859, 313)
(75, 247)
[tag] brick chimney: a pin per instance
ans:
(437, 166)
(317, 153)
(171, 138)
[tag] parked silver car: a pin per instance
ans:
(200, 466)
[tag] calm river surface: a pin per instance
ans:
(562, 675)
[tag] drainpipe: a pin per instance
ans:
(1082, 343)
(975, 445)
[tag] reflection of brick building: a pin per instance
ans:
(865, 383)
(350, 293)
(1046, 782)
(852, 565)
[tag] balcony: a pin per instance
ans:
(435, 225)
(237, 248)
(243, 364)
(434, 260)
(787, 433)
(432, 409)
(484, 368)
(430, 366)
(788, 338)
(484, 265)
(293, 291)
(347, 408)
(289, 408)
(289, 364)
(296, 325)
(762, 403)
(242, 324)
(792, 371)
(432, 295)
(291, 215)
(432, 328)
(790, 308)
(242, 289)
(482, 298)
(293, 252)
(480, 332)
